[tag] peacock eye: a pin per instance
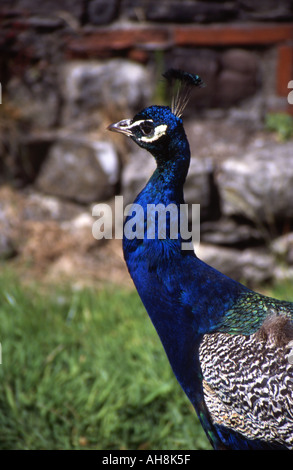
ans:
(147, 127)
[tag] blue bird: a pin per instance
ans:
(228, 346)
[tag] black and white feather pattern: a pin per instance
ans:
(248, 385)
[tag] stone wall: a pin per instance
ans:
(71, 67)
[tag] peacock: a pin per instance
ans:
(228, 346)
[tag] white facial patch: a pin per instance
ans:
(158, 132)
(137, 123)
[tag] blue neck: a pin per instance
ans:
(167, 181)
(175, 287)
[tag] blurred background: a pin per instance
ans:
(69, 316)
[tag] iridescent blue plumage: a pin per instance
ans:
(199, 312)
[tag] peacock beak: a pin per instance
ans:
(122, 126)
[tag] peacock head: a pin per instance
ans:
(153, 128)
(159, 129)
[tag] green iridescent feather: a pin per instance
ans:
(249, 313)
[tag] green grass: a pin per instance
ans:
(84, 369)
(281, 124)
(282, 291)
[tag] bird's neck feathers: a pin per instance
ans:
(164, 188)
(166, 184)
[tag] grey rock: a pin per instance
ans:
(282, 247)
(233, 86)
(227, 231)
(198, 185)
(136, 173)
(102, 11)
(240, 60)
(259, 184)
(35, 98)
(42, 207)
(250, 266)
(47, 8)
(90, 87)
(8, 230)
(80, 170)
(188, 11)
(265, 10)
